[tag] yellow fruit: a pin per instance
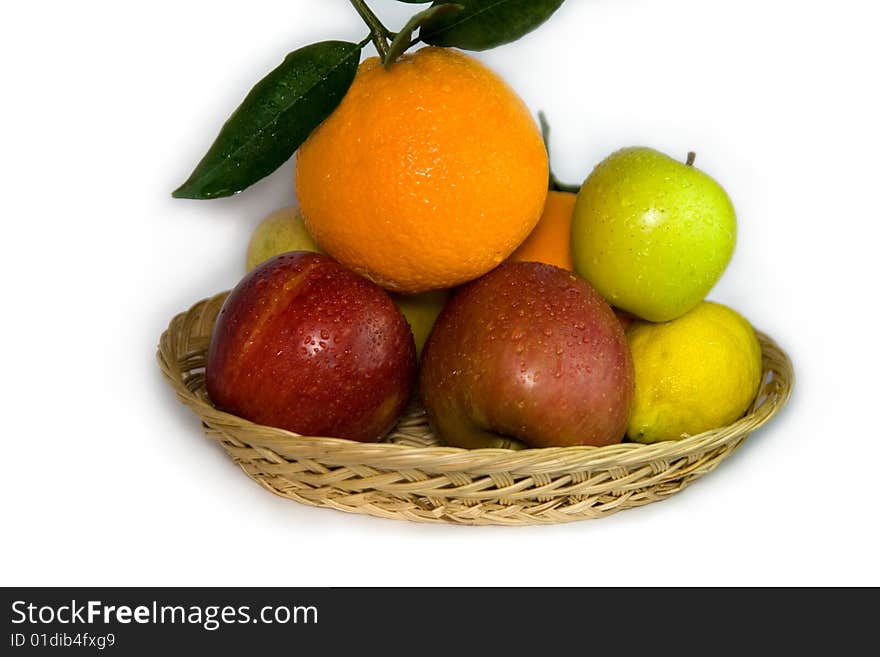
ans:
(427, 175)
(550, 241)
(695, 373)
(421, 311)
(280, 232)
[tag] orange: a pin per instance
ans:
(427, 174)
(550, 241)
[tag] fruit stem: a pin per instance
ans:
(378, 32)
(690, 159)
(553, 183)
(545, 129)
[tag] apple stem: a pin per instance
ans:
(690, 159)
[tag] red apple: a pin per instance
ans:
(304, 344)
(530, 352)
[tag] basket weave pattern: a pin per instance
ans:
(410, 476)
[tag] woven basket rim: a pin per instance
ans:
(341, 451)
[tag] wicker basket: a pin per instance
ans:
(409, 476)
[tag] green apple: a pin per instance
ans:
(421, 312)
(652, 234)
(280, 232)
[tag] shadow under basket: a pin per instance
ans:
(410, 476)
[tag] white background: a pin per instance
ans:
(107, 106)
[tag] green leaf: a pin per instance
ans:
(274, 119)
(403, 38)
(415, 2)
(484, 24)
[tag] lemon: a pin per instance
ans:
(695, 373)
(280, 232)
